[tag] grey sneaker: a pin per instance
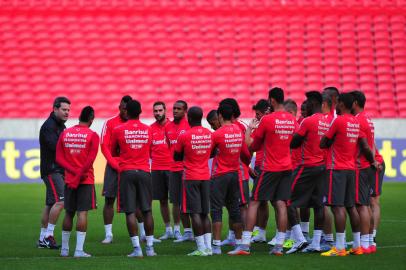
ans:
(177, 235)
(228, 242)
(311, 249)
(258, 239)
(307, 237)
(137, 253)
(108, 239)
(64, 252)
(150, 251)
(297, 247)
(167, 235)
(81, 254)
(277, 250)
(272, 242)
(216, 249)
(326, 245)
(187, 236)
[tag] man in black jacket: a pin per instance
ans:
(51, 173)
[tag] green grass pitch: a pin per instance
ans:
(21, 205)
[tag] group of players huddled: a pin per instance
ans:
(325, 160)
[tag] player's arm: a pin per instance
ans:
(255, 142)
(178, 154)
(328, 138)
(113, 161)
(297, 141)
(248, 132)
(94, 148)
(106, 140)
(300, 135)
(366, 150)
(61, 159)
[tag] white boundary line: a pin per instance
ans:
(124, 256)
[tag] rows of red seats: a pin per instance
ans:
(199, 4)
(94, 59)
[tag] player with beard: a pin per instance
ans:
(160, 167)
(178, 126)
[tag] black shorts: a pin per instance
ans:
(135, 191)
(160, 184)
(110, 184)
(258, 171)
(307, 187)
(196, 197)
(341, 188)
(363, 179)
(225, 191)
(175, 187)
(55, 184)
(81, 199)
(244, 192)
(273, 186)
(376, 185)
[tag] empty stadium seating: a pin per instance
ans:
(96, 51)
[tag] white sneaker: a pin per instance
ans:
(177, 235)
(188, 236)
(272, 242)
(81, 254)
(228, 242)
(150, 251)
(216, 250)
(108, 239)
(167, 235)
(258, 239)
(64, 252)
(137, 253)
(297, 247)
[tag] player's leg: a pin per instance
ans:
(357, 210)
(44, 224)
(205, 202)
(218, 192)
(56, 184)
(67, 225)
(305, 221)
(110, 187)
(375, 202)
(127, 203)
(81, 229)
(336, 199)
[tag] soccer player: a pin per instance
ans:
(307, 187)
(110, 172)
(244, 172)
(76, 151)
(333, 93)
(178, 126)
(134, 139)
(213, 120)
(365, 174)
(224, 185)
(160, 167)
(51, 172)
(194, 149)
(274, 134)
(261, 108)
(376, 188)
(342, 141)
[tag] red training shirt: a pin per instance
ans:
(275, 133)
(160, 153)
(105, 143)
(245, 157)
(296, 153)
(312, 129)
(134, 141)
(172, 132)
(345, 131)
(76, 151)
(227, 140)
(367, 128)
(196, 145)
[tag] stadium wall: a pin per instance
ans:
(19, 148)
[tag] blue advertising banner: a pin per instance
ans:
(20, 160)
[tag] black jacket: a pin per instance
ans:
(48, 139)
